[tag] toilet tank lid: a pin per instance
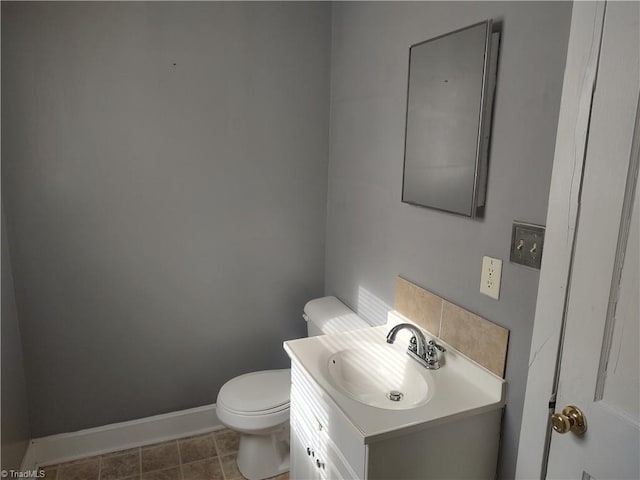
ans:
(330, 315)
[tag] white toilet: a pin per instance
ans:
(257, 404)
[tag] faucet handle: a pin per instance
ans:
(436, 345)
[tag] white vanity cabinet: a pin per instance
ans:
(325, 444)
(342, 429)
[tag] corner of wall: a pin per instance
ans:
(15, 418)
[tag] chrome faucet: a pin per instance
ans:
(421, 351)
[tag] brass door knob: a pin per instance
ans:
(571, 419)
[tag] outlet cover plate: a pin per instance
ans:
(491, 276)
(527, 241)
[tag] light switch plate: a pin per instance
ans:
(491, 275)
(527, 241)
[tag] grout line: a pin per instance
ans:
(441, 315)
(215, 443)
(99, 467)
(199, 460)
(161, 470)
(179, 460)
(140, 461)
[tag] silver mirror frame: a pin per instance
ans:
(489, 74)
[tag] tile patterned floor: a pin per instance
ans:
(205, 457)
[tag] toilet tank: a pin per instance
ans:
(329, 315)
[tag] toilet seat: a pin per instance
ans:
(257, 393)
(253, 414)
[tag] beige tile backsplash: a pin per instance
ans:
(418, 304)
(476, 337)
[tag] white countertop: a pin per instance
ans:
(460, 388)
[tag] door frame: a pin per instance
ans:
(580, 76)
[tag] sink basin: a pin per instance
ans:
(379, 376)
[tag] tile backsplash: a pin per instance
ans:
(478, 338)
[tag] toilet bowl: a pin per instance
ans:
(256, 404)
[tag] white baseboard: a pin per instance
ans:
(65, 447)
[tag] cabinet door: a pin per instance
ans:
(332, 473)
(336, 466)
(301, 466)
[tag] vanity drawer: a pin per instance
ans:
(328, 422)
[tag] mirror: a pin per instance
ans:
(449, 99)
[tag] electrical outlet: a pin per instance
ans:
(491, 275)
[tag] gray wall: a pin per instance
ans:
(372, 236)
(164, 171)
(15, 417)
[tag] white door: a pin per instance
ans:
(599, 368)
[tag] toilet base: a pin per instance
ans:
(264, 456)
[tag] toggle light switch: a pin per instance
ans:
(526, 244)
